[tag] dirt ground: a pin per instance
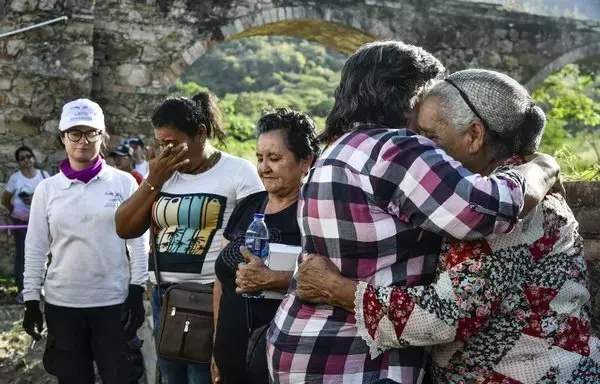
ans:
(19, 364)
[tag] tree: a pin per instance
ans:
(573, 110)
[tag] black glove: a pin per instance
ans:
(134, 312)
(33, 319)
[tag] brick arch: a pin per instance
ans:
(338, 30)
(573, 56)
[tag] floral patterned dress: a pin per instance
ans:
(508, 309)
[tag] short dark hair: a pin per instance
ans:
(23, 148)
(298, 130)
(186, 115)
(378, 84)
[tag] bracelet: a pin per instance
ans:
(150, 185)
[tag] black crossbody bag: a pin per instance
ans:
(256, 351)
(186, 324)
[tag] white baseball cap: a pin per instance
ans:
(81, 112)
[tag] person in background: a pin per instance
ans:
(122, 155)
(285, 151)
(17, 201)
(93, 293)
(508, 309)
(366, 206)
(139, 157)
(188, 197)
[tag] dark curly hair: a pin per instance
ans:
(378, 84)
(23, 148)
(186, 115)
(299, 131)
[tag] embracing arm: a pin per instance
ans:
(541, 172)
(469, 288)
(419, 182)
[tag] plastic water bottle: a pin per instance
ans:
(257, 242)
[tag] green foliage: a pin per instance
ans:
(571, 96)
(571, 99)
(572, 166)
(266, 64)
(555, 136)
(257, 75)
(8, 289)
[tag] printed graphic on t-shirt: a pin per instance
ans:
(186, 227)
(113, 199)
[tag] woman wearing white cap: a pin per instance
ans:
(93, 294)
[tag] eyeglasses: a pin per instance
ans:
(25, 157)
(75, 135)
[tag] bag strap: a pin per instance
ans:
(155, 257)
(248, 315)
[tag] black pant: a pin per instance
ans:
(19, 253)
(79, 336)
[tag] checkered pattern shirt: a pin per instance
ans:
(365, 206)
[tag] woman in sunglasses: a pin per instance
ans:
(93, 293)
(17, 200)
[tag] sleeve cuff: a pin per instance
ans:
(518, 194)
(359, 314)
(141, 281)
(31, 295)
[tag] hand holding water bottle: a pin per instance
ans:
(257, 243)
(253, 275)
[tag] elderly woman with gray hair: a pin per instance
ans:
(506, 309)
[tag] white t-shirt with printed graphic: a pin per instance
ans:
(191, 213)
(18, 183)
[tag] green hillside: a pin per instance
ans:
(258, 74)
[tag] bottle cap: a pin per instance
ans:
(259, 215)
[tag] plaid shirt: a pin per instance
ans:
(376, 189)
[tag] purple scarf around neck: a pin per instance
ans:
(85, 175)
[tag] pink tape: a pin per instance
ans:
(13, 226)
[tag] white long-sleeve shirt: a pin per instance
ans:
(75, 222)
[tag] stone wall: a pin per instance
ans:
(40, 70)
(584, 200)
